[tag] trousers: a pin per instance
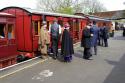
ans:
(55, 46)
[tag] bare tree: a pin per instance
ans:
(53, 5)
(71, 6)
(92, 6)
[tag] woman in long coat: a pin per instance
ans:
(44, 39)
(86, 42)
(67, 45)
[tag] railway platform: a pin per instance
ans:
(107, 67)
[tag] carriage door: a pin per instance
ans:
(77, 30)
(36, 31)
(71, 28)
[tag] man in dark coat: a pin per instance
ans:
(105, 34)
(101, 36)
(95, 31)
(123, 31)
(86, 42)
(67, 45)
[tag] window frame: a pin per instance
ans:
(5, 31)
(12, 33)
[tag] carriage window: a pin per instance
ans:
(11, 34)
(48, 24)
(71, 24)
(74, 25)
(2, 30)
(35, 27)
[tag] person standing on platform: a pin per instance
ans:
(44, 39)
(124, 31)
(105, 34)
(86, 41)
(94, 43)
(112, 31)
(99, 37)
(55, 31)
(67, 49)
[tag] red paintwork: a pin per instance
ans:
(7, 51)
(27, 41)
(50, 18)
(23, 28)
(8, 48)
(35, 37)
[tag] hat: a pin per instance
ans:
(55, 20)
(66, 25)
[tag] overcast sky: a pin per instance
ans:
(113, 4)
(109, 4)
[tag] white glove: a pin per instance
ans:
(91, 34)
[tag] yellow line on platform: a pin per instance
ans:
(22, 69)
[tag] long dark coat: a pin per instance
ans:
(67, 44)
(124, 31)
(86, 38)
(105, 32)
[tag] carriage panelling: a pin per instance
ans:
(23, 34)
(8, 47)
(35, 37)
(27, 33)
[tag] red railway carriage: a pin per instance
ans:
(76, 23)
(100, 21)
(28, 23)
(8, 46)
(26, 27)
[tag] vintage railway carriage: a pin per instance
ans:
(8, 46)
(28, 23)
(20, 27)
(100, 21)
(76, 23)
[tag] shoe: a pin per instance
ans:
(89, 59)
(95, 54)
(44, 57)
(54, 57)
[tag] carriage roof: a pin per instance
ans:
(40, 12)
(36, 11)
(6, 14)
(99, 19)
(92, 17)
